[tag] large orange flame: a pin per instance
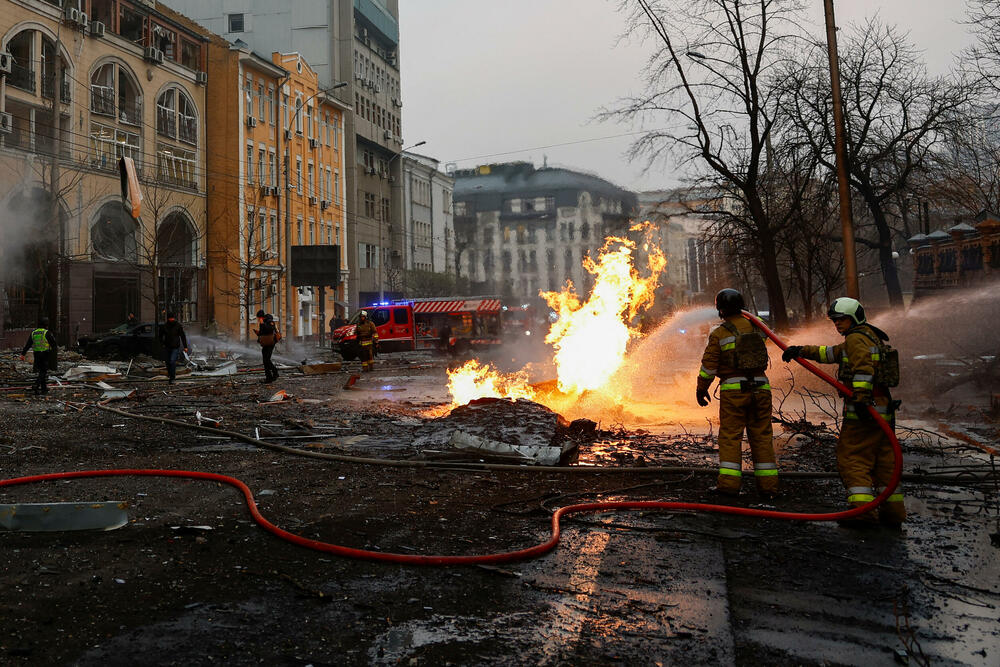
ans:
(474, 380)
(590, 337)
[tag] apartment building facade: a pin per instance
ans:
(83, 85)
(520, 230)
(429, 229)
(355, 43)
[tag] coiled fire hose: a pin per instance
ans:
(538, 549)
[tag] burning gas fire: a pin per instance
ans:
(474, 380)
(589, 339)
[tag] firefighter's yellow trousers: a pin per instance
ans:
(748, 411)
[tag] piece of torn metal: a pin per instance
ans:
(543, 455)
(228, 368)
(207, 421)
(117, 395)
(90, 372)
(279, 396)
(55, 517)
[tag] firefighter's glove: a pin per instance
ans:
(791, 352)
(702, 396)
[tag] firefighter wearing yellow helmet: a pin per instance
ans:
(869, 367)
(737, 356)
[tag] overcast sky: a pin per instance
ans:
(487, 81)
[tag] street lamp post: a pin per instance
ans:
(289, 291)
(383, 258)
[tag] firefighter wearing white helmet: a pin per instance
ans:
(865, 457)
(367, 337)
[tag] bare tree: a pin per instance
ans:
(982, 60)
(712, 80)
(895, 116)
(966, 173)
(250, 264)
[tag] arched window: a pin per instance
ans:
(176, 116)
(49, 72)
(115, 116)
(175, 243)
(113, 235)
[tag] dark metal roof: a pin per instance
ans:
(487, 191)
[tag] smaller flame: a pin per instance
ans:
(475, 380)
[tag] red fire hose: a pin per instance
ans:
(538, 549)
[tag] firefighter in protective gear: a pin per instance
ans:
(744, 397)
(43, 345)
(367, 337)
(865, 457)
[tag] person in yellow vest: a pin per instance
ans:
(43, 344)
(865, 457)
(736, 354)
(367, 336)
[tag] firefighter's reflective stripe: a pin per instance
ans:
(732, 384)
(737, 383)
(876, 354)
(726, 468)
(850, 412)
(705, 373)
(39, 341)
(860, 494)
(825, 354)
(895, 498)
(765, 469)
(862, 381)
(366, 342)
(728, 343)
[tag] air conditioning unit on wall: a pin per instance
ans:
(6, 123)
(6, 62)
(153, 54)
(251, 121)
(97, 29)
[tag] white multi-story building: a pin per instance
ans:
(520, 230)
(429, 230)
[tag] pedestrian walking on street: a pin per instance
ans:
(43, 345)
(736, 354)
(267, 337)
(869, 367)
(173, 340)
(367, 336)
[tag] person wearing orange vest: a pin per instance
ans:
(744, 398)
(43, 345)
(865, 457)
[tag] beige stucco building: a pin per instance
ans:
(133, 85)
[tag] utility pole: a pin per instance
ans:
(55, 176)
(840, 144)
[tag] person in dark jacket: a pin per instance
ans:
(173, 340)
(43, 344)
(267, 336)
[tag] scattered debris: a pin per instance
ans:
(351, 380)
(54, 517)
(228, 368)
(485, 447)
(320, 369)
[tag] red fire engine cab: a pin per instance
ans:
(418, 324)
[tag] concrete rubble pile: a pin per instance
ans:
(521, 430)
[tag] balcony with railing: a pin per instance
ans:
(166, 122)
(48, 88)
(129, 111)
(102, 100)
(189, 129)
(21, 77)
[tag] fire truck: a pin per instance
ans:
(418, 324)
